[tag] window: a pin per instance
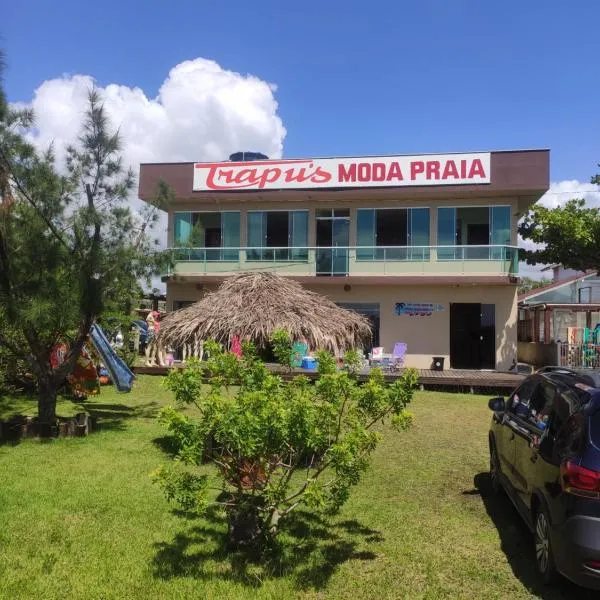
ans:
(520, 400)
(585, 295)
(286, 232)
(208, 235)
(541, 404)
(478, 226)
(392, 234)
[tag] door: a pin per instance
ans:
(333, 237)
(531, 425)
(341, 239)
(472, 336)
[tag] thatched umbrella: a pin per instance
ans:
(253, 305)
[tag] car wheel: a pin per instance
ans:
(544, 558)
(495, 469)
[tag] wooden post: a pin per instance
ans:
(547, 326)
(529, 327)
(536, 325)
(588, 319)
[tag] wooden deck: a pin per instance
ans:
(454, 378)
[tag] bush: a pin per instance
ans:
(276, 445)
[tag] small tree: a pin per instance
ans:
(70, 246)
(276, 445)
(568, 235)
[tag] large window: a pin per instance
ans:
(392, 234)
(278, 235)
(208, 235)
(476, 226)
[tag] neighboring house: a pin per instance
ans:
(560, 273)
(547, 314)
(425, 246)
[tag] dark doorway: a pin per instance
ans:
(369, 310)
(472, 336)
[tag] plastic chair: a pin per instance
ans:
(398, 355)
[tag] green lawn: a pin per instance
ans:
(80, 518)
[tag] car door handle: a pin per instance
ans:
(534, 457)
(512, 437)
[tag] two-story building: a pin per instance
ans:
(425, 246)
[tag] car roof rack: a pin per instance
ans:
(559, 370)
(589, 378)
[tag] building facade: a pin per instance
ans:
(425, 246)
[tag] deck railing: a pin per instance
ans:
(349, 260)
(579, 356)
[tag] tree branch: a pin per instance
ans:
(29, 199)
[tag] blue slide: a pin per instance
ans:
(120, 373)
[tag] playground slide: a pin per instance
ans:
(120, 374)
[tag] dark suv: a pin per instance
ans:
(545, 452)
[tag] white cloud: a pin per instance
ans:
(202, 112)
(558, 194)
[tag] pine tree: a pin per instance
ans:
(70, 246)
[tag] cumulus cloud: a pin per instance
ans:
(202, 113)
(558, 194)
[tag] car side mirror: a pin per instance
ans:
(497, 404)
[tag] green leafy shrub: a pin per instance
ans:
(276, 445)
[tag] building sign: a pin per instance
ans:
(323, 173)
(417, 310)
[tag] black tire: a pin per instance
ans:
(544, 557)
(495, 469)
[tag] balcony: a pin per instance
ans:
(353, 261)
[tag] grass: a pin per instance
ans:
(80, 518)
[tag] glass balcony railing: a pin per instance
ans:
(349, 260)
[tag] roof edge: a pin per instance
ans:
(193, 162)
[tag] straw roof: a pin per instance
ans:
(254, 305)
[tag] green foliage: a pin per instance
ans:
(569, 235)
(526, 284)
(277, 445)
(281, 342)
(71, 249)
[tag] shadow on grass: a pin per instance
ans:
(114, 416)
(105, 416)
(308, 550)
(517, 544)
(168, 444)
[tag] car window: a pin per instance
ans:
(521, 398)
(541, 404)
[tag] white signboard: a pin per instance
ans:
(329, 173)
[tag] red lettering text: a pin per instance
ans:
(395, 172)
(321, 176)
(416, 168)
(450, 170)
(364, 172)
(346, 173)
(300, 177)
(378, 172)
(433, 169)
(476, 169)
(268, 176)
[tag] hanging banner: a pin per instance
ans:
(367, 171)
(417, 310)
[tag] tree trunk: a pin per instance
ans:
(245, 527)
(46, 402)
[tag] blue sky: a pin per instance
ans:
(352, 77)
